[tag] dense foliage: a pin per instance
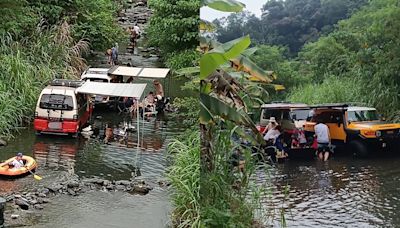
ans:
(90, 19)
(290, 23)
(362, 55)
(26, 66)
(174, 25)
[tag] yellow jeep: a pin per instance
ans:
(354, 128)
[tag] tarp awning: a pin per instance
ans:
(139, 72)
(113, 89)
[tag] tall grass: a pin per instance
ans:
(26, 66)
(331, 90)
(228, 197)
(184, 175)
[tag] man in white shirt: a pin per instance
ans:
(323, 140)
(137, 31)
(17, 162)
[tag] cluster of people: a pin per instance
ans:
(322, 143)
(273, 136)
(112, 55)
(149, 104)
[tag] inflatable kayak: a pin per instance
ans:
(6, 170)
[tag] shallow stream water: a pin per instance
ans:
(343, 192)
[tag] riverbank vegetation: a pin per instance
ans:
(43, 40)
(174, 30)
(353, 57)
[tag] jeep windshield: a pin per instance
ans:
(56, 102)
(362, 115)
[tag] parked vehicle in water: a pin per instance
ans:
(355, 128)
(98, 75)
(289, 115)
(60, 109)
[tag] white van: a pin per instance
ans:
(97, 75)
(60, 109)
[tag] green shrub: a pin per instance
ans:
(182, 59)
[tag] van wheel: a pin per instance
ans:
(360, 149)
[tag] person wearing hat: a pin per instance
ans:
(271, 125)
(17, 162)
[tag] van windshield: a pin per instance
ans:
(362, 115)
(300, 114)
(56, 102)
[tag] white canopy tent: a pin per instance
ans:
(116, 90)
(141, 72)
(113, 89)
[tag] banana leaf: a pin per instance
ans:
(211, 107)
(224, 5)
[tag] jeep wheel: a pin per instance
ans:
(358, 148)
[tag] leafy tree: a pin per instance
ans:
(17, 17)
(90, 19)
(365, 47)
(174, 25)
(290, 23)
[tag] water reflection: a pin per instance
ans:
(56, 153)
(340, 193)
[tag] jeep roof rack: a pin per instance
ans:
(330, 105)
(67, 83)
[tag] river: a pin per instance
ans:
(90, 157)
(343, 192)
(93, 158)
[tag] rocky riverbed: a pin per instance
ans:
(23, 208)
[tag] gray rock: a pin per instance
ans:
(22, 204)
(106, 182)
(140, 4)
(14, 216)
(44, 191)
(45, 200)
(72, 184)
(33, 202)
(42, 195)
(123, 182)
(3, 142)
(38, 206)
(141, 189)
(120, 187)
(17, 196)
(9, 198)
(55, 188)
(71, 192)
(110, 187)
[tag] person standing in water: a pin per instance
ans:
(323, 140)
